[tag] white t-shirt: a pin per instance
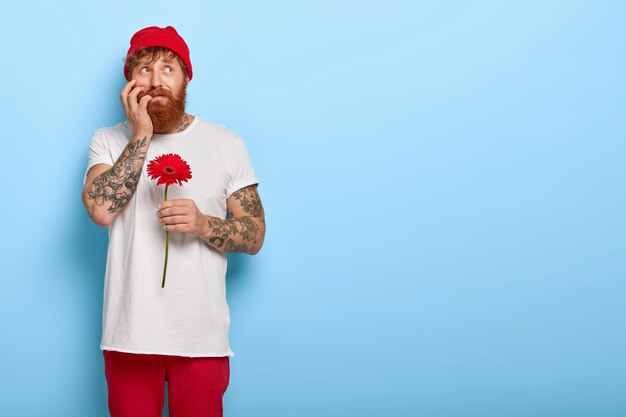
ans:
(190, 316)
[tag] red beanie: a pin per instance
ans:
(156, 36)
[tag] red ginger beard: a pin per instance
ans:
(166, 114)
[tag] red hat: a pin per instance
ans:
(156, 36)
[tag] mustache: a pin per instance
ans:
(155, 92)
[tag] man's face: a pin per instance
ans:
(165, 81)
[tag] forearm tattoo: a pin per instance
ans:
(234, 235)
(117, 185)
(240, 234)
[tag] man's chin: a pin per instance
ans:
(165, 122)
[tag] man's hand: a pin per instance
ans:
(182, 216)
(108, 189)
(136, 111)
(244, 232)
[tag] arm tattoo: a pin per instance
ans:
(250, 202)
(117, 185)
(239, 234)
(225, 231)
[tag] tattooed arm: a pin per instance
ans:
(243, 232)
(108, 189)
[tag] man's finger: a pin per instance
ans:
(175, 227)
(173, 220)
(143, 103)
(172, 211)
(132, 97)
(180, 202)
(124, 94)
(129, 85)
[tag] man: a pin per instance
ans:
(178, 333)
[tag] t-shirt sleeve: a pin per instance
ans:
(241, 169)
(99, 153)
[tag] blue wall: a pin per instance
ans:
(444, 190)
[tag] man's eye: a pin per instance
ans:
(168, 69)
(145, 69)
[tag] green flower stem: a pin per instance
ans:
(167, 241)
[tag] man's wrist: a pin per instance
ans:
(138, 137)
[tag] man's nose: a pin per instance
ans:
(155, 81)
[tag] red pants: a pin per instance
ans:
(136, 384)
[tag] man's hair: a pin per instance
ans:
(151, 54)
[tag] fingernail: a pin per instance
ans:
(158, 206)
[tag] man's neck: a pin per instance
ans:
(187, 119)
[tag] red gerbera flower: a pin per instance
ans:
(169, 169)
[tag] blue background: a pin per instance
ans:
(444, 190)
